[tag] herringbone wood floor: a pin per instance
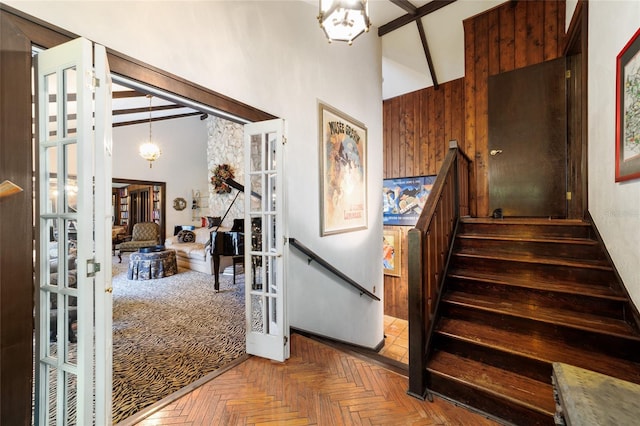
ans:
(318, 385)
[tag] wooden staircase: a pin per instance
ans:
(519, 295)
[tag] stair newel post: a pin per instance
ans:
(418, 317)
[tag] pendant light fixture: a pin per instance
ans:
(344, 20)
(149, 150)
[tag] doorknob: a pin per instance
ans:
(495, 152)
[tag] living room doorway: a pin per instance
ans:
(49, 37)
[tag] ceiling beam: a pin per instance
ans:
(168, 117)
(428, 8)
(120, 94)
(405, 5)
(146, 109)
(427, 53)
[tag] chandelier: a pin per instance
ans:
(343, 20)
(149, 150)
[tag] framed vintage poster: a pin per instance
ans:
(628, 111)
(343, 172)
(404, 198)
(391, 252)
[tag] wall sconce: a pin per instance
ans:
(149, 150)
(344, 20)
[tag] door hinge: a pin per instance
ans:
(569, 196)
(92, 81)
(284, 140)
(567, 74)
(286, 339)
(92, 266)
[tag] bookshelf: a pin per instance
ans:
(156, 212)
(123, 207)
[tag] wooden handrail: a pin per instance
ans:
(313, 256)
(430, 245)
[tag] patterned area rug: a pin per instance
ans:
(169, 332)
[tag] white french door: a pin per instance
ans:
(73, 346)
(265, 291)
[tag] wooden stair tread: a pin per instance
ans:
(599, 265)
(568, 287)
(581, 321)
(538, 347)
(518, 389)
(519, 238)
(526, 221)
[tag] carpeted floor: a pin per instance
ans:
(169, 332)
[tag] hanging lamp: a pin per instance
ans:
(344, 20)
(149, 150)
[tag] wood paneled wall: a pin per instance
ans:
(417, 126)
(417, 130)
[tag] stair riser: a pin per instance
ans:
(549, 299)
(596, 342)
(527, 230)
(487, 402)
(532, 249)
(534, 271)
(525, 366)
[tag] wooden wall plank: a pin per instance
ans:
(417, 143)
(494, 41)
(520, 34)
(562, 13)
(431, 134)
(482, 112)
(469, 142)
(535, 32)
(447, 111)
(438, 129)
(395, 141)
(425, 153)
(507, 38)
(457, 111)
(550, 30)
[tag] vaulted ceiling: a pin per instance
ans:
(422, 46)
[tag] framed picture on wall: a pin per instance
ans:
(628, 110)
(343, 172)
(391, 252)
(403, 199)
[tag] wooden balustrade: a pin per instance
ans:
(429, 247)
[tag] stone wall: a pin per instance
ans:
(225, 145)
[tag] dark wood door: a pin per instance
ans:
(527, 141)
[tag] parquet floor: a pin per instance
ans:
(318, 385)
(396, 344)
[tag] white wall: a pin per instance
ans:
(182, 165)
(615, 207)
(271, 55)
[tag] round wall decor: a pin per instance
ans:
(179, 203)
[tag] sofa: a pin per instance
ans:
(196, 255)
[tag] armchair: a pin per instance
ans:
(144, 234)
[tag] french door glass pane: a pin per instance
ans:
(70, 104)
(256, 153)
(71, 178)
(51, 89)
(51, 176)
(256, 314)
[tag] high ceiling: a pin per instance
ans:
(405, 67)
